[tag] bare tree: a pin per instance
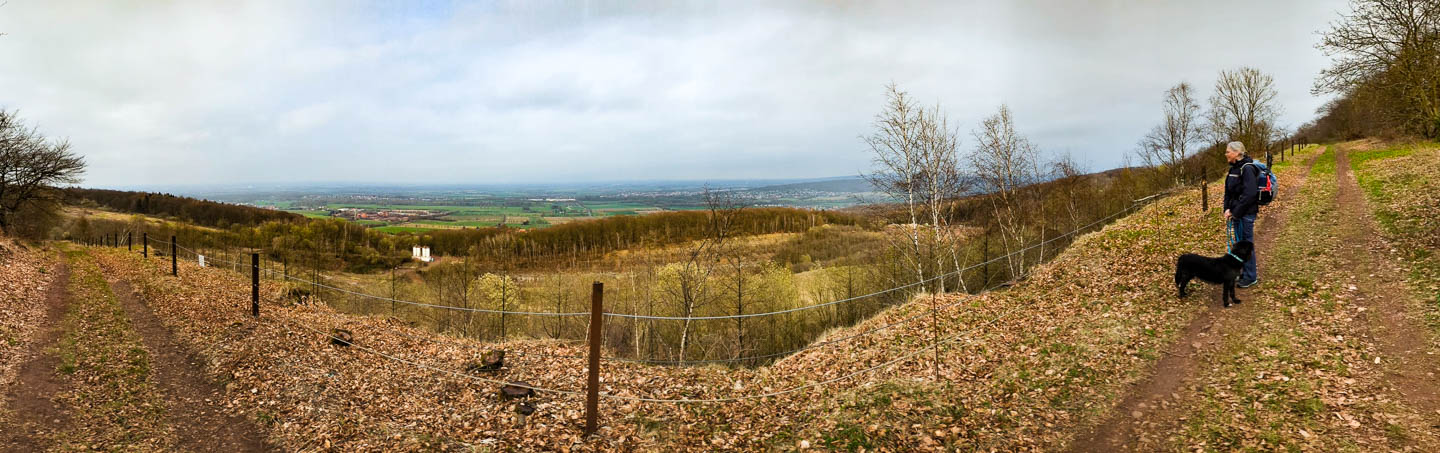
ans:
(1169, 142)
(896, 147)
(723, 208)
(1390, 47)
(690, 287)
(31, 167)
(1005, 162)
(1070, 179)
(1243, 108)
(915, 152)
(943, 182)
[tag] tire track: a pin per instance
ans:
(196, 414)
(1391, 318)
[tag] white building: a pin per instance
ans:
(421, 253)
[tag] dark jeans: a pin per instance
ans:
(1243, 229)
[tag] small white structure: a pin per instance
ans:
(421, 253)
(202, 260)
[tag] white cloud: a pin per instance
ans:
(199, 92)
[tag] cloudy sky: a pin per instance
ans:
(199, 92)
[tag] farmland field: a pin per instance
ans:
(521, 213)
(521, 206)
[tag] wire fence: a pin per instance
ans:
(461, 375)
(1024, 250)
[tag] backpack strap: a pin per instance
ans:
(1258, 174)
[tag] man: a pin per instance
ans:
(1242, 203)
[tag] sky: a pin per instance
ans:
(157, 93)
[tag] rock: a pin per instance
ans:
(515, 390)
(341, 337)
(490, 362)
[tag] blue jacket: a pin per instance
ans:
(1242, 188)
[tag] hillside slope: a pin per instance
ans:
(1019, 364)
(1024, 368)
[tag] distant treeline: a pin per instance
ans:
(624, 232)
(340, 244)
(190, 210)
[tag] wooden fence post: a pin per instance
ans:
(1204, 189)
(145, 245)
(174, 268)
(129, 241)
(255, 285)
(592, 387)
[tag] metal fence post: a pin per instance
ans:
(255, 285)
(592, 387)
(174, 268)
(145, 244)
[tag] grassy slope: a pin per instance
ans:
(1302, 377)
(1402, 184)
(1031, 361)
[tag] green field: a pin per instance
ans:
(397, 229)
(513, 213)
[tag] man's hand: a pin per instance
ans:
(1227, 215)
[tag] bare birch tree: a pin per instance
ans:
(895, 144)
(1168, 143)
(915, 154)
(1005, 162)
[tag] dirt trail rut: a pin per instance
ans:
(1379, 285)
(31, 400)
(196, 414)
(1149, 399)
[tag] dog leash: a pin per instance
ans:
(1234, 237)
(1230, 234)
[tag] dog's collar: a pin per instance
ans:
(1232, 255)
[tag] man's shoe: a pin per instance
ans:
(1249, 283)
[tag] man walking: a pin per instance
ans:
(1242, 203)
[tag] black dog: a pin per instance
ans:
(1223, 270)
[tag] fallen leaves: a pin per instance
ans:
(25, 274)
(1043, 354)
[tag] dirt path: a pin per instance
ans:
(1379, 285)
(37, 414)
(1150, 399)
(196, 414)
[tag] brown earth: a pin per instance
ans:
(37, 414)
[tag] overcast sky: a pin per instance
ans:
(197, 92)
